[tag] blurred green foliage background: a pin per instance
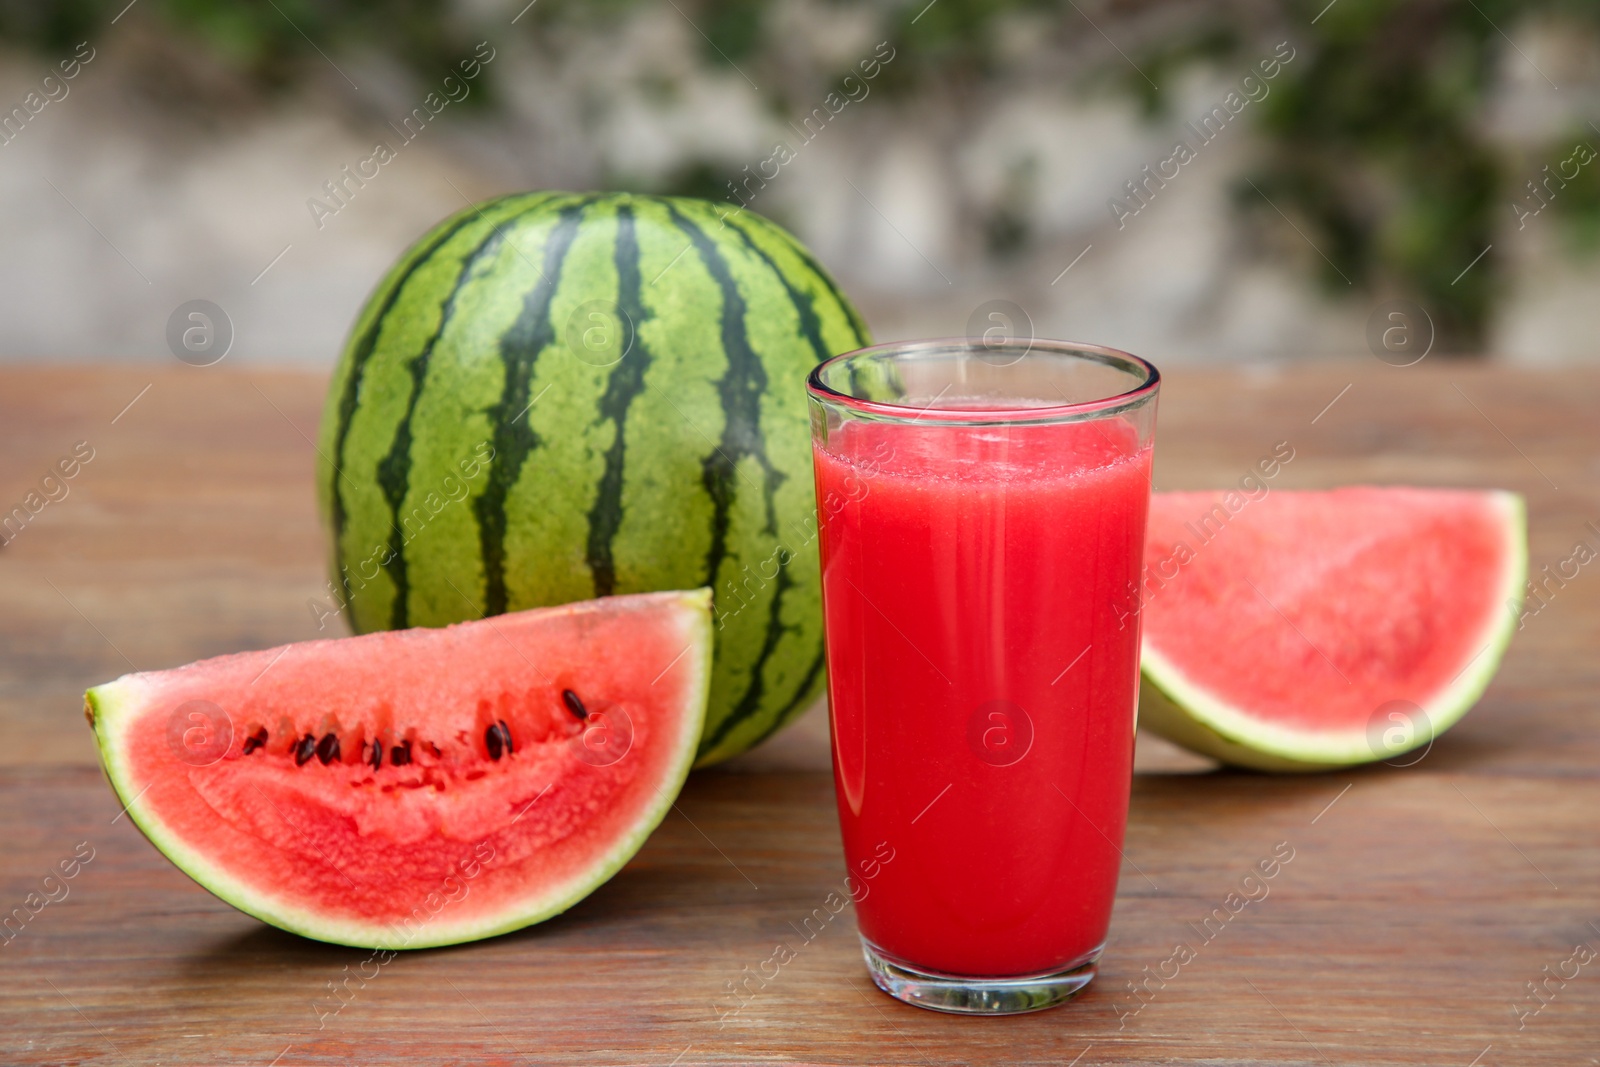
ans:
(1374, 139)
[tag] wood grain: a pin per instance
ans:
(1415, 910)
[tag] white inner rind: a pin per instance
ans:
(1238, 727)
(117, 705)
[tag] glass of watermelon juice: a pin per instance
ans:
(982, 515)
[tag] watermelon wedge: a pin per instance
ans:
(1306, 630)
(419, 787)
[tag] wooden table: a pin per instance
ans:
(1419, 903)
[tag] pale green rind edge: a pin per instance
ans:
(1186, 714)
(108, 708)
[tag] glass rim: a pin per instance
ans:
(1067, 411)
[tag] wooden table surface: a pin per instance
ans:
(1419, 905)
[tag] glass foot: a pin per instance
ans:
(976, 996)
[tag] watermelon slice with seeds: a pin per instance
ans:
(420, 787)
(1307, 630)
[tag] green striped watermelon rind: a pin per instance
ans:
(411, 365)
(112, 707)
(1186, 714)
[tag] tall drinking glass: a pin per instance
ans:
(982, 512)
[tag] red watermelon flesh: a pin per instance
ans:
(1310, 629)
(420, 787)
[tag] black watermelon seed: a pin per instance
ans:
(493, 741)
(376, 759)
(574, 705)
(255, 741)
(305, 750)
(400, 754)
(328, 748)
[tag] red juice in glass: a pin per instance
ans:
(978, 553)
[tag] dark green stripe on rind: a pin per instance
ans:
(547, 509)
(625, 383)
(642, 469)
(744, 712)
(391, 333)
(514, 437)
(452, 429)
(774, 245)
(348, 378)
(810, 685)
(666, 521)
(740, 389)
(779, 276)
(394, 470)
(804, 305)
(778, 565)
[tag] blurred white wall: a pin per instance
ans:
(116, 206)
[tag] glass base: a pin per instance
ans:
(976, 996)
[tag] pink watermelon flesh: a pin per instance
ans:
(520, 761)
(1288, 632)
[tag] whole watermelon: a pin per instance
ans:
(555, 396)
